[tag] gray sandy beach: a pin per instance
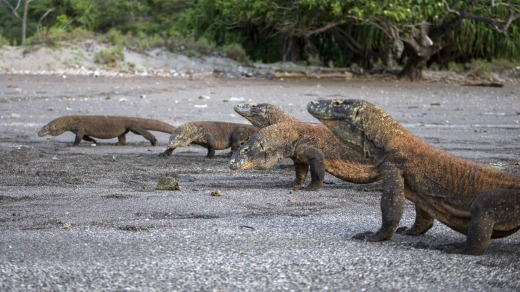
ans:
(88, 218)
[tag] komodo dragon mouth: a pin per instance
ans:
(251, 156)
(246, 109)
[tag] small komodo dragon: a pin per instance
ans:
(209, 134)
(105, 127)
(308, 145)
(471, 198)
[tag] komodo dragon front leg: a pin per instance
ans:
(80, 135)
(392, 204)
(210, 141)
(315, 159)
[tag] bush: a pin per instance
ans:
(110, 57)
(54, 36)
(114, 37)
(4, 42)
(236, 52)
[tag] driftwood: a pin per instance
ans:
(311, 75)
(486, 84)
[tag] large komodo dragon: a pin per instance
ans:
(308, 145)
(209, 134)
(468, 197)
(105, 127)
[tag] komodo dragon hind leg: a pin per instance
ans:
(495, 207)
(316, 160)
(121, 139)
(90, 139)
(210, 145)
(140, 131)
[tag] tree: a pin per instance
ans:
(425, 26)
(15, 6)
(14, 9)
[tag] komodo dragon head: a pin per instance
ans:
(55, 127)
(343, 118)
(263, 114)
(262, 151)
(358, 123)
(183, 136)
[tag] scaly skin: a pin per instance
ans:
(263, 114)
(312, 152)
(212, 135)
(105, 127)
(473, 199)
(307, 145)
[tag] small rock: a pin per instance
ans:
(168, 184)
(292, 201)
(216, 193)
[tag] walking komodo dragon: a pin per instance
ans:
(308, 145)
(471, 198)
(105, 127)
(210, 134)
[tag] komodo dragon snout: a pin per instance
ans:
(252, 155)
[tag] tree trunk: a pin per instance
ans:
(24, 20)
(414, 67)
(291, 50)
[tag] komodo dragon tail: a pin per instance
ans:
(155, 125)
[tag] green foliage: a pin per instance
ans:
(236, 52)
(334, 32)
(110, 57)
(4, 42)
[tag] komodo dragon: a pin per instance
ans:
(473, 199)
(104, 127)
(307, 144)
(212, 135)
